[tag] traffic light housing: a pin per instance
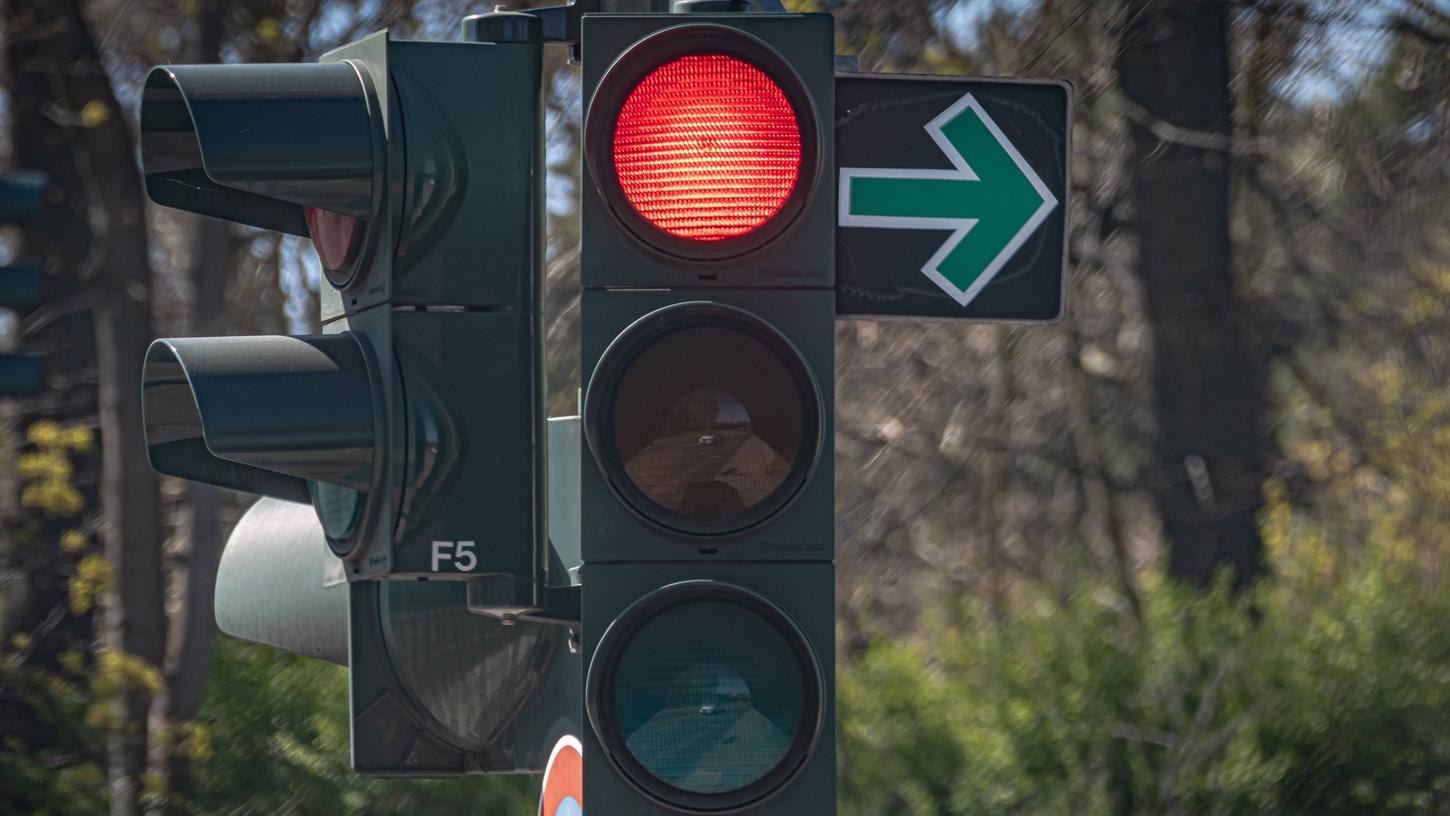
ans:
(707, 487)
(413, 424)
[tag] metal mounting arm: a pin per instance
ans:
(561, 23)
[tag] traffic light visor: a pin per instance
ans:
(263, 414)
(706, 696)
(259, 144)
(702, 139)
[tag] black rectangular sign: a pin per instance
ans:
(952, 197)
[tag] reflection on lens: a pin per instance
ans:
(338, 508)
(708, 696)
(708, 422)
(469, 672)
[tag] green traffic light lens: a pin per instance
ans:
(706, 696)
(340, 509)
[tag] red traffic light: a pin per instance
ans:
(706, 147)
(338, 239)
(703, 142)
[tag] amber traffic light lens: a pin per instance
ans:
(704, 418)
(707, 423)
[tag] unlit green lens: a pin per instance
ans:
(338, 508)
(709, 696)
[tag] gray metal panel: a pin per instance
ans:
(563, 562)
(269, 586)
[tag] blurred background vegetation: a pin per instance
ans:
(1182, 553)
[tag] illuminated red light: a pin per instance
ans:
(337, 237)
(707, 147)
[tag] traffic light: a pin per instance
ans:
(22, 284)
(708, 310)
(682, 588)
(414, 424)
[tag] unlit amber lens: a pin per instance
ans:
(708, 423)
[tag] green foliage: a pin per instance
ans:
(275, 735)
(47, 470)
(1324, 699)
(61, 771)
(272, 738)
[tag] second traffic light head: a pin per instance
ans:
(21, 285)
(415, 424)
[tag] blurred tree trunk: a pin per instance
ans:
(192, 632)
(1173, 69)
(193, 575)
(1097, 497)
(35, 571)
(65, 104)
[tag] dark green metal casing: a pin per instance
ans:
(436, 149)
(258, 143)
(783, 560)
(211, 409)
(414, 424)
(21, 285)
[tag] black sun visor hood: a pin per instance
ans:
(256, 144)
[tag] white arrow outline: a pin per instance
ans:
(959, 226)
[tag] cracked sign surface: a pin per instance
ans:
(952, 197)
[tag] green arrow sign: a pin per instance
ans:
(991, 205)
